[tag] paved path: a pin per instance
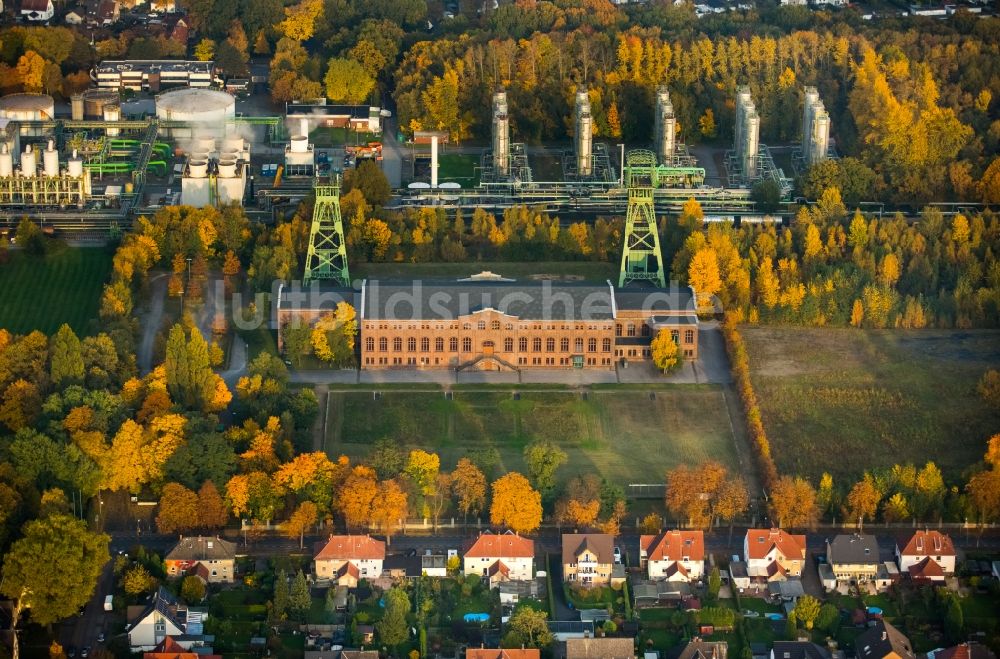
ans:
(392, 154)
(151, 321)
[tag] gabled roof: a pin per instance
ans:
(966, 651)
(106, 10)
(699, 649)
(600, 544)
(674, 546)
(34, 5)
(798, 650)
(498, 568)
(883, 640)
(349, 569)
(168, 648)
(600, 648)
(928, 543)
(760, 542)
(926, 568)
(202, 548)
(506, 545)
(165, 604)
(351, 547)
(676, 568)
(854, 549)
(486, 653)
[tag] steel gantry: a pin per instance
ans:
(641, 256)
(327, 257)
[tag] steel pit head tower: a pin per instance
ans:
(642, 260)
(584, 135)
(501, 135)
(665, 131)
(327, 256)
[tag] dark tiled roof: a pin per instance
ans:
(201, 548)
(600, 648)
(352, 111)
(883, 640)
(854, 549)
(799, 650)
(600, 544)
(699, 649)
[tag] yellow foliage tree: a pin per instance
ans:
(516, 504)
(666, 355)
(703, 276)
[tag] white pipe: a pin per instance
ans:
(434, 161)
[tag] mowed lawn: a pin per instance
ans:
(42, 293)
(844, 400)
(594, 271)
(625, 436)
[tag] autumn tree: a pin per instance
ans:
(989, 388)
(138, 581)
(700, 494)
(515, 504)
(253, 495)
(389, 508)
(61, 584)
(300, 20)
(984, 485)
(666, 355)
(793, 503)
(212, 511)
(347, 81)
(190, 379)
(527, 628)
(357, 496)
(543, 459)
(192, 589)
(178, 510)
(807, 610)
(703, 276)
(301, 520)
(468, 484)
(422, 470)
(863, 500)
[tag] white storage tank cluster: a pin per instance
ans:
(6, 161)
(28, 107)
(207, 109)
(216, 171)
(28, 163)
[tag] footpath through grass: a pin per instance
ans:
(43, 292)
(847, 400)
(625, 436)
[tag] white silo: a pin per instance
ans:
(76, 106)
(112, 112)
(584, 134)
(74, 166)
(751, 143)
(811, 98)
(6, 162)
(28, 162)
(50, 160)
(501, 135)
(743, 101)
(819, 140)
(206, 109)
(665, 132)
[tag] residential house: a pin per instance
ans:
(928, 555)
(699, 649)
(674, 555)
(600, 648)
(74, 17)
(108, 12)
(347, 559)
(853, 558)
(434, 565)
(738, 575)
(773, 554)
(149, 624)
(168, 6)
(564, 630)
(484, 653)
(500, 557)
(589, 559)
(211, 559)
(883, 641)
(38, 11)
(970, 650)
(798, 650)
(168, 648)
(398, 566)
(341, 654)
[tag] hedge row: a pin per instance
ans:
(740, 363)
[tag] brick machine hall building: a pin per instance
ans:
(486, 322)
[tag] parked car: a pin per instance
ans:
(618, 554)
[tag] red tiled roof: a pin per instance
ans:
(486, 653)
(34, 5)
(760, 542)
(674, 546)
(349, 569)
(775, 568)
(676, 568)
(168, 648)
(352, 547)
(928, 543)
(926, 569)
(498, 567)
(966, 651)
(488, 545)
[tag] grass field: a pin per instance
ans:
(569, 270)
(44, 292)
(843, 401)
(460, 168)
(623, 436)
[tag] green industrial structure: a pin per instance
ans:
(642, 260)
(327, 256)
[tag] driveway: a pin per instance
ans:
(151, 321)
(560, 608)
(392, 154)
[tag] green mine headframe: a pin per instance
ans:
(327, 257)
(641, 256)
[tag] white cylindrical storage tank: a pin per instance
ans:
(209, 107)
(50, 160)
(434, 161)
(27, 107)
(811, 98)
(584, 134)
(501, 134)
(6, 162)
(28, 162)
(75, 166)
(299, 144)
(197, 169)
(76, 107)
(229, 155)
(204, 145)
(227, 168)
(232, 145)
(751, 143)
(112, 112)
(94, 101)
(820, 138)
(304, 127)
(199, 155)
(665, 127)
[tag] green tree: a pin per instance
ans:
(190, 379)
(61, 584)
(66, 361)
(954, 620)
(767, 195)
(543, 459)
(393, 628)
(371, 181)
(527, 628)
(299, 598)
(714, 583)
(280, 597)
(137, 580)
(192, 589)
(347, 81)
(807, 610)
